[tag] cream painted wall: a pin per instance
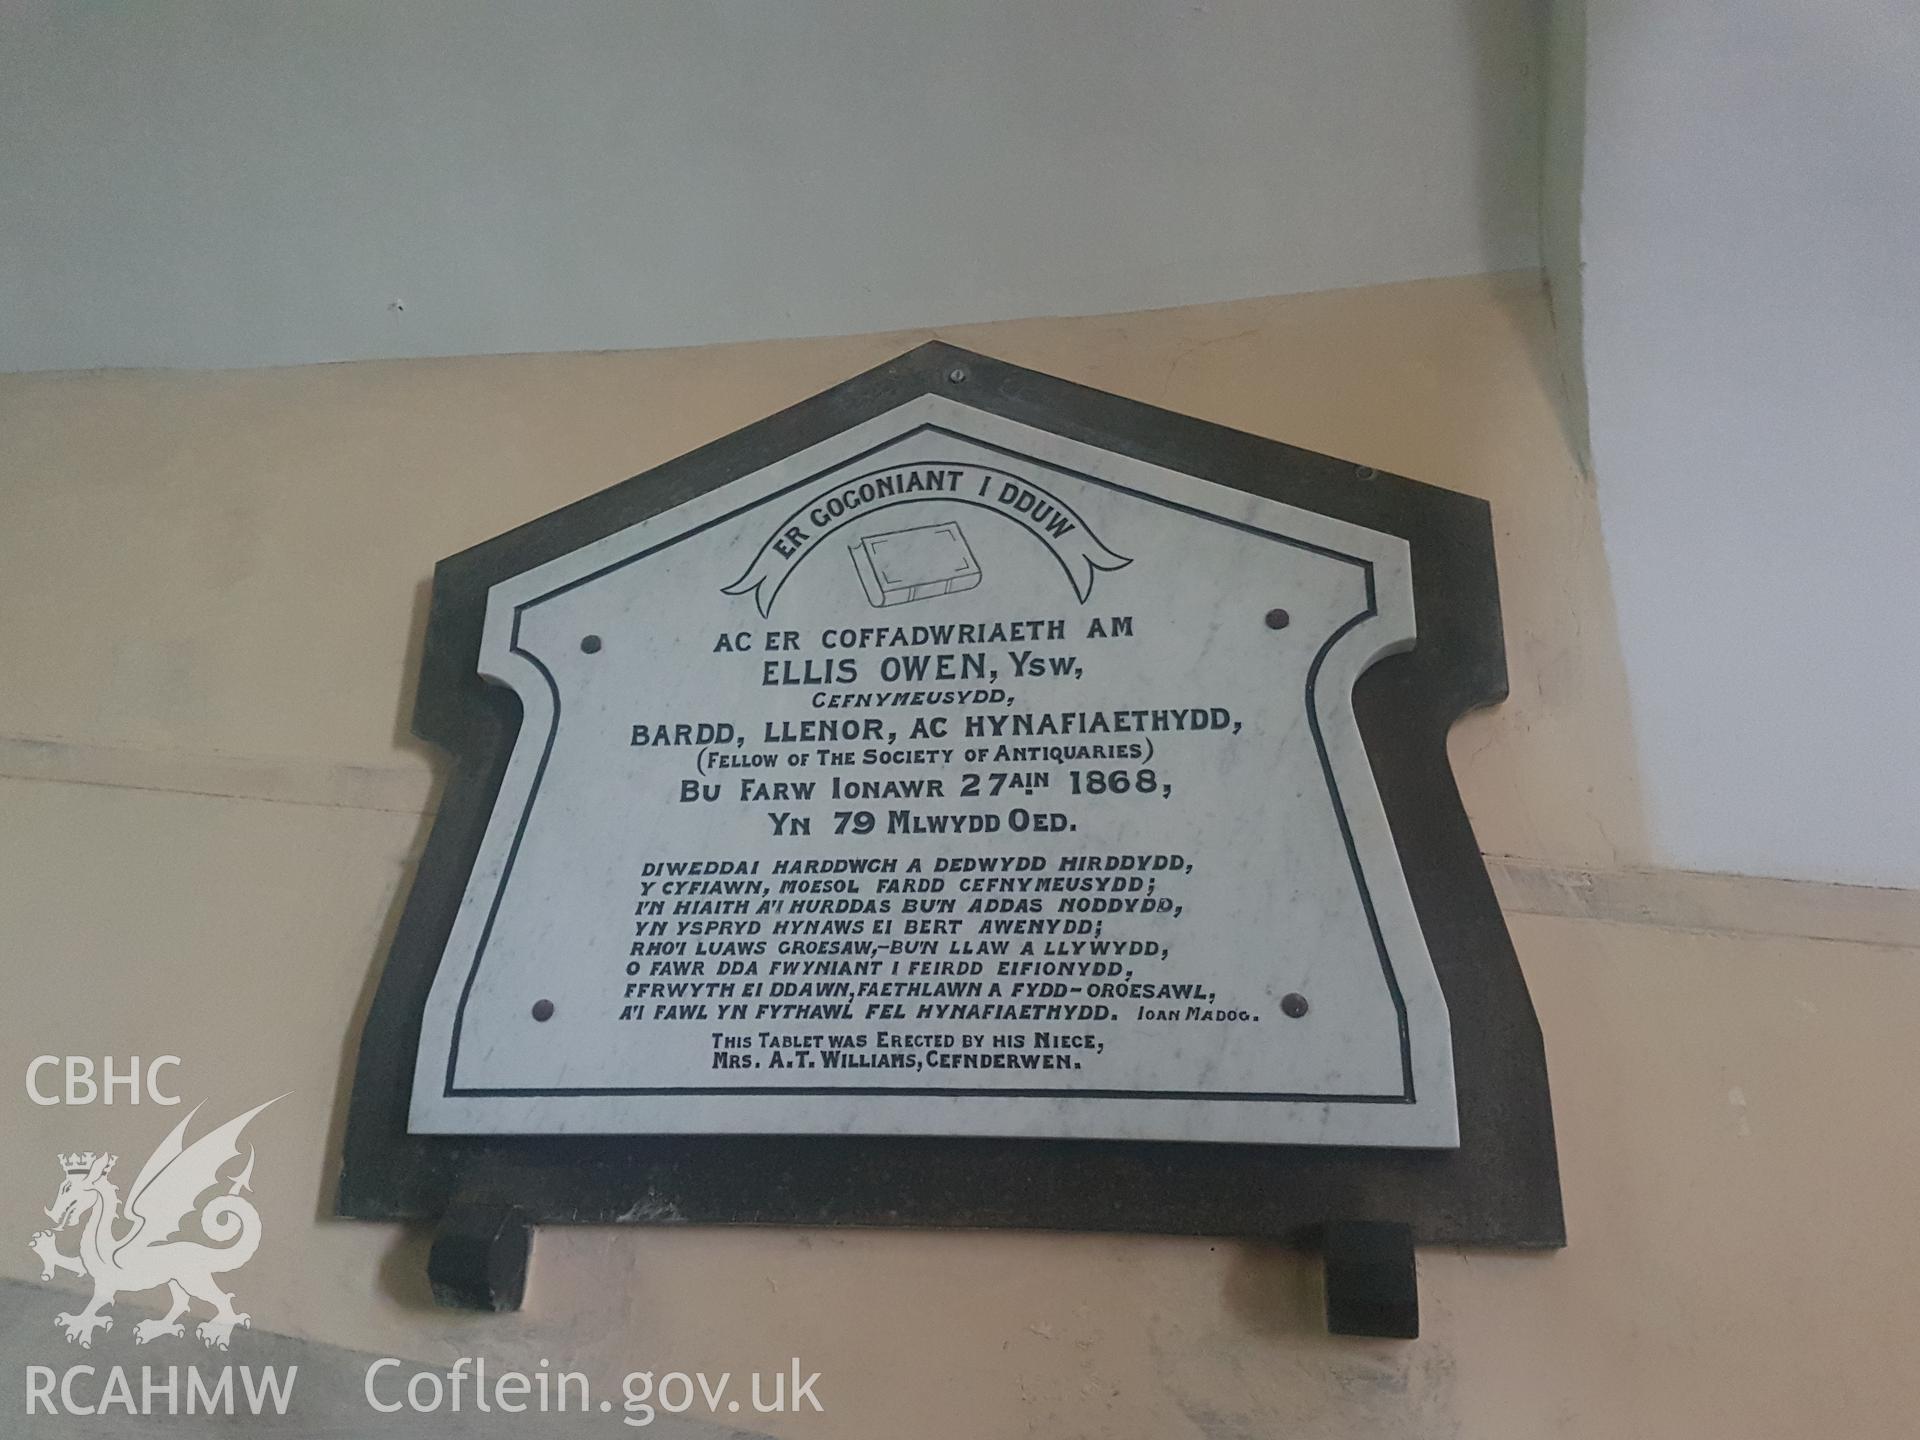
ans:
(211, 591)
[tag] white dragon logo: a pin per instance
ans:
(145, 1256)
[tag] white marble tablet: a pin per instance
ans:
(949, 778)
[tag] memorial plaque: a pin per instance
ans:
(964, 798)
(946, 777)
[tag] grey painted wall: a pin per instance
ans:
(1751, 306)
(1563, 160)
(255, 182)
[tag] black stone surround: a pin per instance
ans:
(1499, 1188)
